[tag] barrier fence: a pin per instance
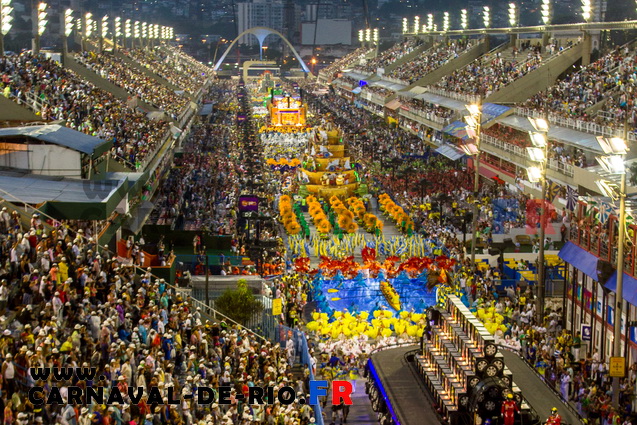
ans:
(301, 355)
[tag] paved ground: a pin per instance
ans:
(360, 413)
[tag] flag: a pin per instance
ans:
(571, 198)
(605, 210)
(553, 190)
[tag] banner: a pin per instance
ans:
(248, 203)
(277, 307)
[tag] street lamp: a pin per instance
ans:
(464, 20)
(546, 11)
(486, 16)
(513, 15)
(473, 130)
(538, 154)
(615, 149)
(5, 21)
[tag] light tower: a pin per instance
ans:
(5, 21)
(40, 26)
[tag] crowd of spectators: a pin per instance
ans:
(345, 62)
(171, 67)
(67, 302)
(556, 151)
(201, 188)
(610, 79)
(390, 55)
(428, 110)
(136, 83)
(433, 58)
(581, 377)
(80, 105)
(488, 74)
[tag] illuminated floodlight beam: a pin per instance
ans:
(513, 15)
(464, 20)
(42, 14)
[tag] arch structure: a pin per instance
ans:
(261, 33)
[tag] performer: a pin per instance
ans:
(555, 418)
(509, 409)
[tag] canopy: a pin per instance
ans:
(450, 152)
(388, 85)
(561, 134)
(456, 105)
(65, 198)
(393, 105)
(580, 259)
(62, 136)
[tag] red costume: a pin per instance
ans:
(554, 419)
(509, 408)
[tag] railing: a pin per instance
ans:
(302, 352)
(553, 164)
(414, 114)
(576, 124)
(561, 167)
(469, 98)
(32, 101)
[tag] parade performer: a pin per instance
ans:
(509, 409)
(555, 418)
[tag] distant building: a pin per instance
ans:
(259, 13)
(328, 32)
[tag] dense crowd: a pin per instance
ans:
(82, 106)
(136, 83)
(390, 55)
(610, 79)
(201, 188)
(428, 110)
(431, 59)
(345, 62)
(67, 302)
(556, 151)
(488, 74)
(176, 71)
(580, 377)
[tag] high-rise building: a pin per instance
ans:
(260, 13)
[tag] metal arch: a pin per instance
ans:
(261, 33)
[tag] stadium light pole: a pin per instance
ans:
(486, 16)
(39, 26)
(405, 27)
(430, 22)
(117, 31)
(67, 22)
(87, 28)
(416, 24)
(128, 32)
(613, 163)
(538, 154)
(5, 21)
(464, 19)
(103, 31)
(474, 120)
(135, 33)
